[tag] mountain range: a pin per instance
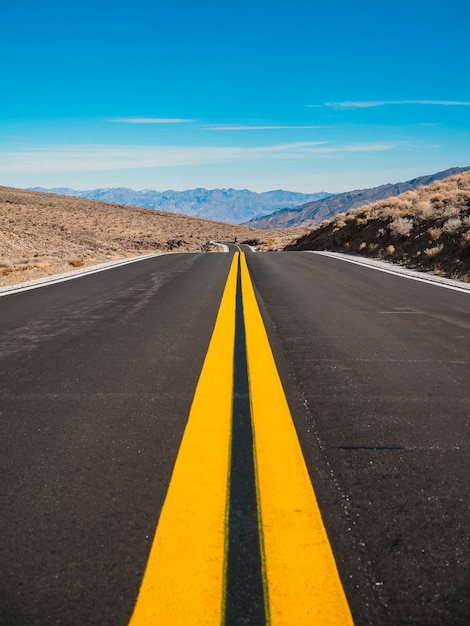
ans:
(225, 205)
(267, 210)
(313, 213)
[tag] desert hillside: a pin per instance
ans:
(428, 229)
(313, 213)
(43, 234)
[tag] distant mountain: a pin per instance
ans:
(225, 205)
(312, 213)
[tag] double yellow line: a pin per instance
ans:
(184, 582)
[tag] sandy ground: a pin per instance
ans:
(44, 234)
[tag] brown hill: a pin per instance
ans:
(43, 234)
(428, 229)
(312, 213)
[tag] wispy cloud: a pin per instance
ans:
(150, 120)
(230, 127)
(367, 104)
(80, 158)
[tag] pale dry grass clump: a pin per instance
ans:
(401, 227)
(424, 209)
(434, 251)
(435, 233)
(450, 211)
(452, 225)
(340, 222)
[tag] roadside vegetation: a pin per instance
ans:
(427, 229)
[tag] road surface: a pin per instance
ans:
(100, 374)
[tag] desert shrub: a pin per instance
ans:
(390, 249)
(406, 206)
(362, 245)
(392, 210)
(452, 225)
(361, 221)
(76, 262)
(424, 209)
(401, 226)
(450, 211)
(437, 200)
(434, 251)
(435, 233)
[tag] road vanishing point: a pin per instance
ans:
(235, 439)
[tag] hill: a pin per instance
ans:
(427, 229)
(312, 213)
(43, 234)
(226, 205)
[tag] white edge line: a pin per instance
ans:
(60, 278)
(404, 272)
(224, 247)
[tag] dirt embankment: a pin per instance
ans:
(43, 234)
(426, 229)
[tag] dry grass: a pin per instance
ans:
(43, 234)
(401, 227)
(434, 251)
(453, 225)
(435, 233)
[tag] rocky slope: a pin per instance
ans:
(312, 213)
(427, 229)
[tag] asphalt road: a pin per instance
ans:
(97, 378)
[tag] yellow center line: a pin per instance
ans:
(303, 582)
(184, 578)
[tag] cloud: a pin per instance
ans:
(150, 120)
(230, 127)
(83, 158)
(367, 104)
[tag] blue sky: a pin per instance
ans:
(256, 94)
